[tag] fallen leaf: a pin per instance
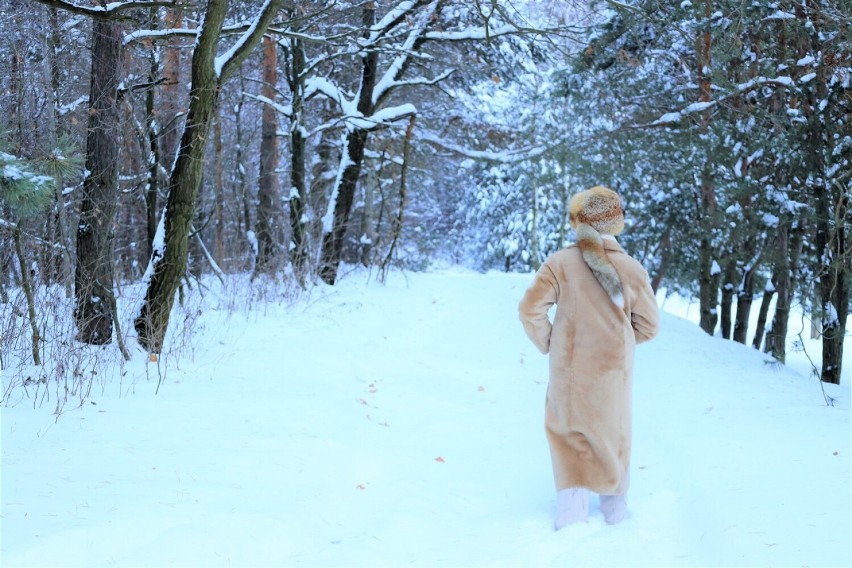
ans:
(439, 459)
(481, 388)
(360, 487)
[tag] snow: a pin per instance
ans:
(158, 248)
(781, 15)
(370, 425)
(807, 78)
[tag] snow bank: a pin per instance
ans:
(402, 424)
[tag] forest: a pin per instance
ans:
(149, 146)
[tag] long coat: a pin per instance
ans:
(591, 343)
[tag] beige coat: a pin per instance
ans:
(591, 344)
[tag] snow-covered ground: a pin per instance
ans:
(396, 425)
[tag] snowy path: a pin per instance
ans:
(402, 425)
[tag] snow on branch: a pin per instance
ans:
(391, 20)
(397, 67)
(143, 35)
(227, 63)
(505, 157)
(424, 80)
(672, 118)
(322, 86)
(286, 110)
(473, 33)
(383, 117)
(110, 11)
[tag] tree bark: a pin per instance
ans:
(728, 287)
(152, 187)
(27, 286)
(396, 225)
(219, 190)
(94, 274)
(665, 259)
(269, 210)
(745, 297)
(708, 269)
(170, 95)
(789, 252)
(763, 312)
(298, 190)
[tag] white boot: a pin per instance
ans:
(614, 508)
(572, 506)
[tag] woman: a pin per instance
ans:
(604, 308)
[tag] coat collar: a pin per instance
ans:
(612, 244)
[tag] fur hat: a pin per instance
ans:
(592, 213)
(599, 207)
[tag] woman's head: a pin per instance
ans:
(598, 207)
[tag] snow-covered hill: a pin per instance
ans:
(400, 425)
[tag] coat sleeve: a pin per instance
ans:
(537, 300)
(645, 315)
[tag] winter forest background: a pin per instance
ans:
(149, 146)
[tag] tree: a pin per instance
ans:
(95, 302)
(209, 72)
(269, 211)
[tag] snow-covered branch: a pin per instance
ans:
(505, 157)
(424, 80)
(321, 86)
(110, 11)
(227, 63)
(472, 34)
(672, 118)
(381, 118)
(286, 110)
(397, 67)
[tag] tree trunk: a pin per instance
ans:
(94, 275)
(535, 261)
(321, 186)
(27, 286)
(789, 253)
(241, 193)
(219, 190)
(708, 269)
(727, 295)
(169, 265)
(170, 95)
(665, 259)
(745, 297)
(152, 187)
(347, 179)
(831, 201)
(396, 226)
(269, 210)
(833, 279)
(768, 294)
(62, 261)
(298, 190)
